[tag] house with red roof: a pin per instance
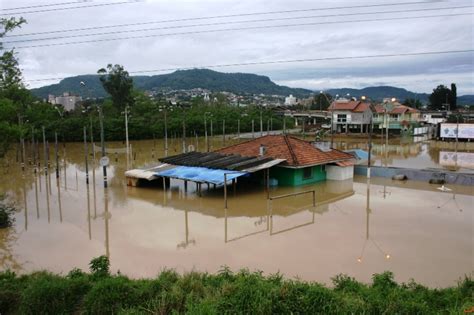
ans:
(350, 115)
(397, 117)
(304, 162)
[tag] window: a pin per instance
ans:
(342, 118)
(307, 173)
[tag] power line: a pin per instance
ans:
(43, 5)
(69, 8)
(232, 22)
(227, 16)
(424, 53)
(239, 29)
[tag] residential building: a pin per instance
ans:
(67, 100)
(305, 163)
(398, 118)
(290, 100)
(350, 115)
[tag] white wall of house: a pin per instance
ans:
(352, 118)
(335, 172)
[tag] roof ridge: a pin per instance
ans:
(243, 142)
(292, 153)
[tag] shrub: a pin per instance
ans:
(111, 294)
(6, 215)
(52, 294)
(100, 266)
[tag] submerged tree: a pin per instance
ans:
(118, 83)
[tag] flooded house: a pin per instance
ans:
(350, 115)
(272, 160)
(397, 118)
(304, 162)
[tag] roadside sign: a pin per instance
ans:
(104, 161)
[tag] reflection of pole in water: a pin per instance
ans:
(25, 203)
(58, 184)
(47, 197)
(37, 178)
(106, 218)
(89, 213)
(93, 189)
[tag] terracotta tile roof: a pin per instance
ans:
(398, 109)
(295, 151)
(353, 106)
(349, 105)
(344, 163)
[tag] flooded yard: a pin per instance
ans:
(358, 228)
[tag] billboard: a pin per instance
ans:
(461, 159)
(466, 131)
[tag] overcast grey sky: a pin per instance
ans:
(340, 35)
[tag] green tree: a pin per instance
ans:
(413, 103)
(454, 96)
(118, 83)
(14, 98)
(441, 97)
(321, 101)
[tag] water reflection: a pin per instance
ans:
(176, 228)
(368, 238)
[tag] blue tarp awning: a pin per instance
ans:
(201, 174)
(359, 154)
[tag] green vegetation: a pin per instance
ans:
(6, 214)
(226, 292)
(444, 98)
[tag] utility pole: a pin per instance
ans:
(126, 137)
(166, 130)
(102, 142)
(56, 153)
(86, 154)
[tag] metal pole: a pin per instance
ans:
(212, 134)
(45, 153)
(184, 135)
(56, 153)
(205, 133)
(33, 148)
(86, 153)
(332, 127)
(253, 129)
(370, 148)
(22, 142)
(223, 132)
(225, 191)
(104, 167)
(126, 137)
(238, 128)
(166, 132)
(284, 124)
(261, 123)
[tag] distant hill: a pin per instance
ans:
(379, 92)
(239, 83)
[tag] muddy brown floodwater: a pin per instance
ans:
(357, 228)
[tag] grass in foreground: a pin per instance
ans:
(99, 292)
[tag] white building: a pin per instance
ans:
(68, 101)
(290, 100)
